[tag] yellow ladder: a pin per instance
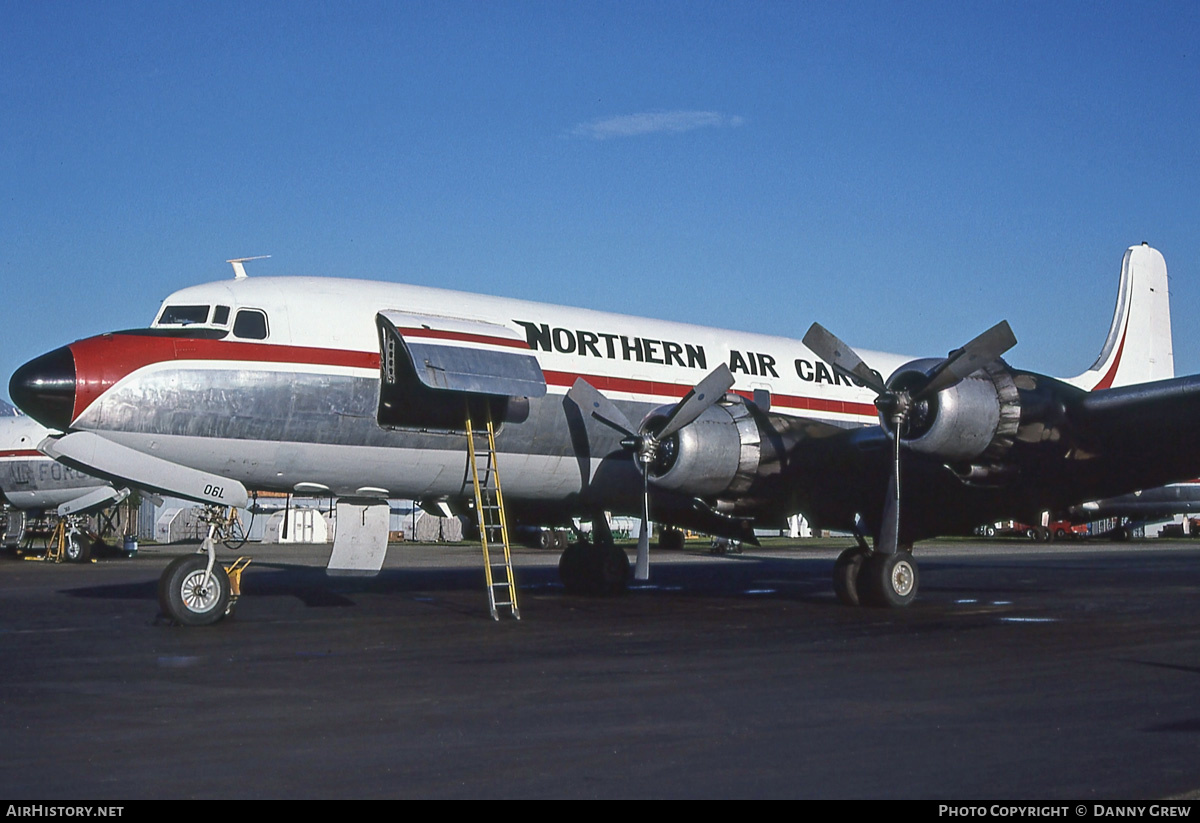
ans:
(493, 529)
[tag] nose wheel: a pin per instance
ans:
(190, 594)
(865, 578)
(195, 590)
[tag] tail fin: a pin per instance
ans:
(1138, 348)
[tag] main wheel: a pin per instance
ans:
(611, 570)
(572, 569)
(888, 580)
(596, 570)
(845, 574)
(186, 598)
(671, 539)
(14, 528)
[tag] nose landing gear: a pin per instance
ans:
(195, 590)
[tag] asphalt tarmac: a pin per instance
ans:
(1022, 672)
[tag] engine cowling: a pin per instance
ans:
(976, 418)
(717, 454)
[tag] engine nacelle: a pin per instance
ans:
(977, 416)
(717, 453)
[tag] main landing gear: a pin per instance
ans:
(865, 578)
(596, 568)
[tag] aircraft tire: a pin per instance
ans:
(77, 548)
(611, 571)
(670, 539)
(888, 580)
(182, 597)
(594, 570)
(14, 528)
(571, 571)
(845, 575)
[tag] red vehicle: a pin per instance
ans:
(1065, 529)
(1054, 530)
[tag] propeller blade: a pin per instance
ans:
(844, 359)
(889, 537)
(591, 402)
(963, 362)
(889, 528)
(707, 392)
(641, 569)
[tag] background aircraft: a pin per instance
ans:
(362, 390)
(1144, 506)
(32, 485)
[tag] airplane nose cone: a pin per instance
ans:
(44, 388)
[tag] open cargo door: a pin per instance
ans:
(432, 368)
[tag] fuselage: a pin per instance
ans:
(275, 382)
(364, 390)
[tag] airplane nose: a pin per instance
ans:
(44, 388)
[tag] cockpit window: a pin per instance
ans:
(221, 316)
(250, 324)
(183, 315)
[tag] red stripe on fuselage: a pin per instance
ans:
(22, 453)
(789, 401)
(441, 334)
(100, 362)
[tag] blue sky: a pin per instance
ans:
(905, 173)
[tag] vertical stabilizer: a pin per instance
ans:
(1138, 347)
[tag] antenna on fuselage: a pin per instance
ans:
(239, 271)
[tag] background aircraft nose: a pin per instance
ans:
(44, 388)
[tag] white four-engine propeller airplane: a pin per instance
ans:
(363, 391)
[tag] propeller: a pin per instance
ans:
(646, 442)
(897, 402)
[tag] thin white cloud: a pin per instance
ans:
(654, 122)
